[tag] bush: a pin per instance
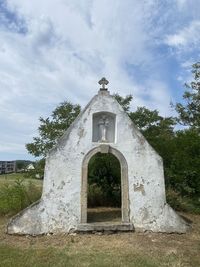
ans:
(181, 203)
(37, 172)
(104, 181)
(17, 196)
(183, 172)
(97, 197)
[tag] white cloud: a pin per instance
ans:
(10, 147)
(181, 3)
(186, 38)
(63, 49)
(68, 46)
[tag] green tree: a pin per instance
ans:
(104, 175)
(145, 118)
(185, 164)
(38, 171)
(52, 128)
(21, 164)
(124, 101)
(189, 111)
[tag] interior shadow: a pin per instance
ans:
(104, 189)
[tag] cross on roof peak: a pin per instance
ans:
(103, 82)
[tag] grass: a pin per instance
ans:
(16, 193)
(120, 249)
(12, 177)
(65, 257)
(117, 250)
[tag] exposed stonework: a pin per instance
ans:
(139, 187)
(63, 204)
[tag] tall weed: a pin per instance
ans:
(17, 196)
(182, 203)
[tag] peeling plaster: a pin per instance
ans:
(139, 188)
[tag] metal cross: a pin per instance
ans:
(103, 82)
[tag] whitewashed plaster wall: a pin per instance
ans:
(59, 209)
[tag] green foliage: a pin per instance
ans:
(21, 164)
(99, 198)
(17, 196)
(11, 176)
(38, 171)
(151, 123)
(145, 118)
(52, 128)
(124, 101)
(189, 112)
(182, 203)
(184, 170)
(95, 196)
(104, 180)
(180, 150)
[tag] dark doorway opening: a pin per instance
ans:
(104, 189)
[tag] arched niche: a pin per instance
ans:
(103, 127)
(124, 181)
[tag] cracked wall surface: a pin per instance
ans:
(59, 209)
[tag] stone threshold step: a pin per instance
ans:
(101, 227)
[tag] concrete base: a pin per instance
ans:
(105, 226)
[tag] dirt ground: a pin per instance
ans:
(103, 214)
(182, 249)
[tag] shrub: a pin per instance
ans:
(181, 203)
(17, 196)
(97, 197)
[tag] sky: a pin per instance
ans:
(52, 51)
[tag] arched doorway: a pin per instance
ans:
(124, 181)
(104, 189)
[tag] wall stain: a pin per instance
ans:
(139, 188)
(81, 132)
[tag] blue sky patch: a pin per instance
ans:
(10, 20)
(55, 51)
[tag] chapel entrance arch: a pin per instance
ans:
(124, 181)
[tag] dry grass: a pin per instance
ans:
(12, 177)
(104, 214)
(121, 249)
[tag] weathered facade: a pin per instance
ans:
(104, 127)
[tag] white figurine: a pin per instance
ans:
(103, 126)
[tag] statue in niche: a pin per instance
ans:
(103, 128)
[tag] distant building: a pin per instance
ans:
(30, 167)
(7, 166)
